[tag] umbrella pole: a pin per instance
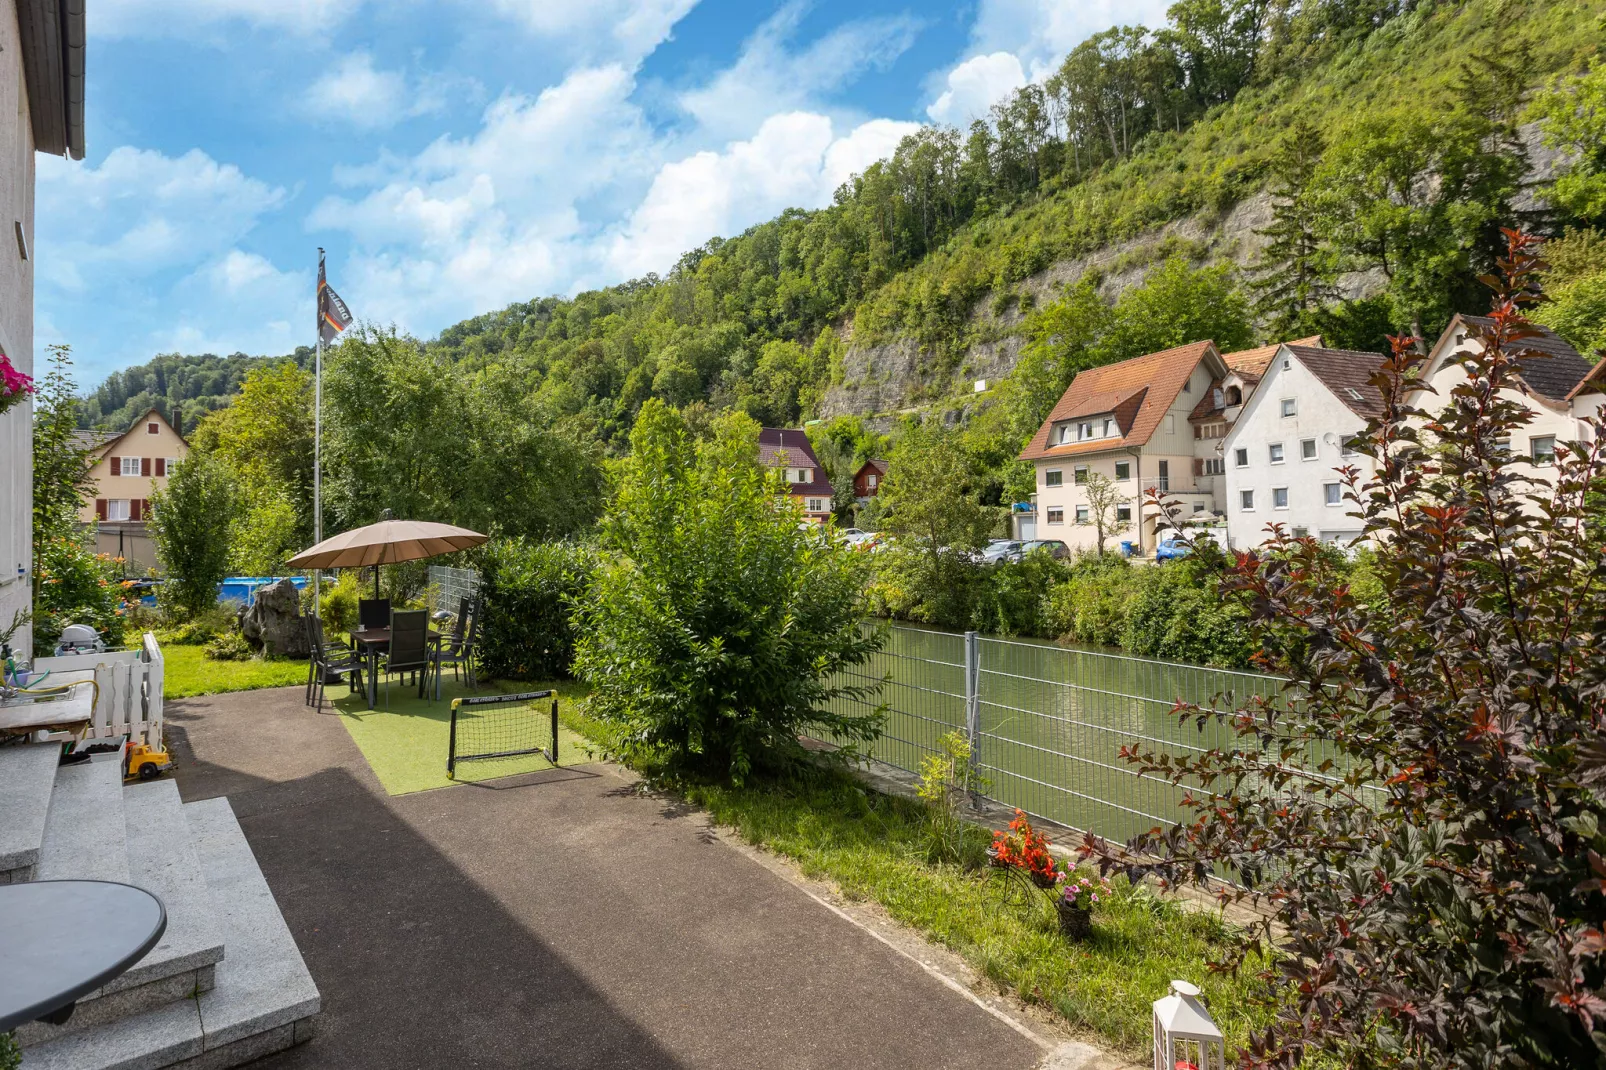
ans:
(376, 583)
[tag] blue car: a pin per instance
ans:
(1172, 549)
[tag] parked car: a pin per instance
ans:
(1172, 549)
(998, 550)
(1053, 547)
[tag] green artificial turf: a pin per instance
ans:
(186, 671)
(405, 745)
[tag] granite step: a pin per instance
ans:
(263, 997)
(162, 860)
(27, 774)
(86, 836)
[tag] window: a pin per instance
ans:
(1165, 475)
(1198, 507)
(129, 466)
(1187, 385)
(153, 429)
(1079, 474)
(1065, 433)
(172, 462)
(1053, 478)
(1347, 448)
(1288, 407)
(117, 509)
(1123, 470)
(816, 505)
(1246, 500)
(1240, 457)
(1543, 449)
(1279, 497)
(1287, 364)
(1170, 423)
(1275, 450)
(1081, 514)
(1503, 445)
(869, 481)
(1235, 396)
(1056, 516)
(1215, 466)
(1087, 430)
(1109, 427)
(1123, 514)
(1307, 449)
(1333, 493)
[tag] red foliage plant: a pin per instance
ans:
(1026, 849)
(1419, 813)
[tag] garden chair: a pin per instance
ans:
(326, 661)
(373, 613)
(409, 648)
(457, 650)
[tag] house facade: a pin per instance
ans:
(41, 110)
(788, 448)
(126, 468)
(868, 479)
(1285, 448)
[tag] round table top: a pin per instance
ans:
(60, 940)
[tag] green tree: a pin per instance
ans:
(191, 521)
(1572, 113)
(61, 480)
(929, 502)
(1104, 498)
(716, 634)
(1293, 273)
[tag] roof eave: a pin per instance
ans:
(52, 33)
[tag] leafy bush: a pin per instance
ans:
(528, 591)
(948, 778)
(337, 607)
(1091, 605)
(190, 521)
(1423, 812)
(1175, 610)
(1012, 596)
(75, 586)
(199, 628)
(715, 636)
(229, 646)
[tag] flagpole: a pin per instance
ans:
(317, 441)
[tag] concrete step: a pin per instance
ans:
(27, 773)
(86, 836)
(263, 998)
(162, 860)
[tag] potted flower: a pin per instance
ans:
(1075, 902)
(14, 386)
(1025, 850)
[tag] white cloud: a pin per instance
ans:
(768, 77)
(185, 18)
(238, 303)
(795, 160)
(140, 212)
(974, 86)
(356, 93)
(619, 30)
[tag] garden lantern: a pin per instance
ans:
(1185, 1036)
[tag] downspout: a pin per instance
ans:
(1137, 473)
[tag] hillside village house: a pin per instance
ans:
(126, 467)
(42, 98)
(1153, 421)
(1284, 449)
(788, 448)
(868, 479)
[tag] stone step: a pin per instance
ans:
(86, 837)
(27, 774)
(263, 997)
(162, 860)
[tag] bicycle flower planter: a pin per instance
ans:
(1023, 854)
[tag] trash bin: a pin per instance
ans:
(1126, 547)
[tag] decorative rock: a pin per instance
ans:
(273, 623)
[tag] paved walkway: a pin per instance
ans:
(556, 920)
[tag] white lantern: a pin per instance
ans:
(1185, 1036)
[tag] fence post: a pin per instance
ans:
(973, 706)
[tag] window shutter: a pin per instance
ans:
(117, 466)
(133, 509)
(100, 508)
(144, 466)
(161, 466)
(1198, 466)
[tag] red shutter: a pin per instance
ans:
(133, 509)
(144, 466)
(100, 508)
(161, 466)
(1198, 466)
(117, 466)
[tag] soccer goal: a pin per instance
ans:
(486, 727)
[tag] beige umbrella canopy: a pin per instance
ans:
(387, 543)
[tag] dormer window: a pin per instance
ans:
(1234, 396)
(1065, 433)
(1086, 430)
(1109, 427)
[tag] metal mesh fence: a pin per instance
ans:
(922, 678)
(449, 586)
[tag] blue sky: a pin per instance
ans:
(456, 155)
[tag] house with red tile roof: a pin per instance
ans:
(788, 448)
(1155, 421)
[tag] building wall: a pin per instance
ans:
(16, 330)
(1559, 422)
(139, 442)
(1319, 415)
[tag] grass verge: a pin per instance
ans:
(186, 671)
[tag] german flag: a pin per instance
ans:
(333, 315)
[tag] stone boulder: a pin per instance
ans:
(273, 623)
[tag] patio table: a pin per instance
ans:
(371, 641)
(63, 939)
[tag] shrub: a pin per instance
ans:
(1091, 605)
(715, 637)
(948, 778)
(1176, 611)
(229, 646)
(75, 585)
(1423, 812)
(337, 607)
(199, 628)
(190, 520)
(528, 591)
(1011, 596)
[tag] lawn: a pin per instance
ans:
(186, 672)
(406, 743)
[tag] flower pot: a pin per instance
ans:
(1076, 922)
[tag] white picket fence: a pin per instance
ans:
(130, 699)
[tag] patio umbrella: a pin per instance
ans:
(386, 543)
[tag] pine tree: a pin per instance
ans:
(1292, 277)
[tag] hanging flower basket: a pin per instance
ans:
(14, 386)
(1076, 922)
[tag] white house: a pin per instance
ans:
(1285, 449)
(1553, 381)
